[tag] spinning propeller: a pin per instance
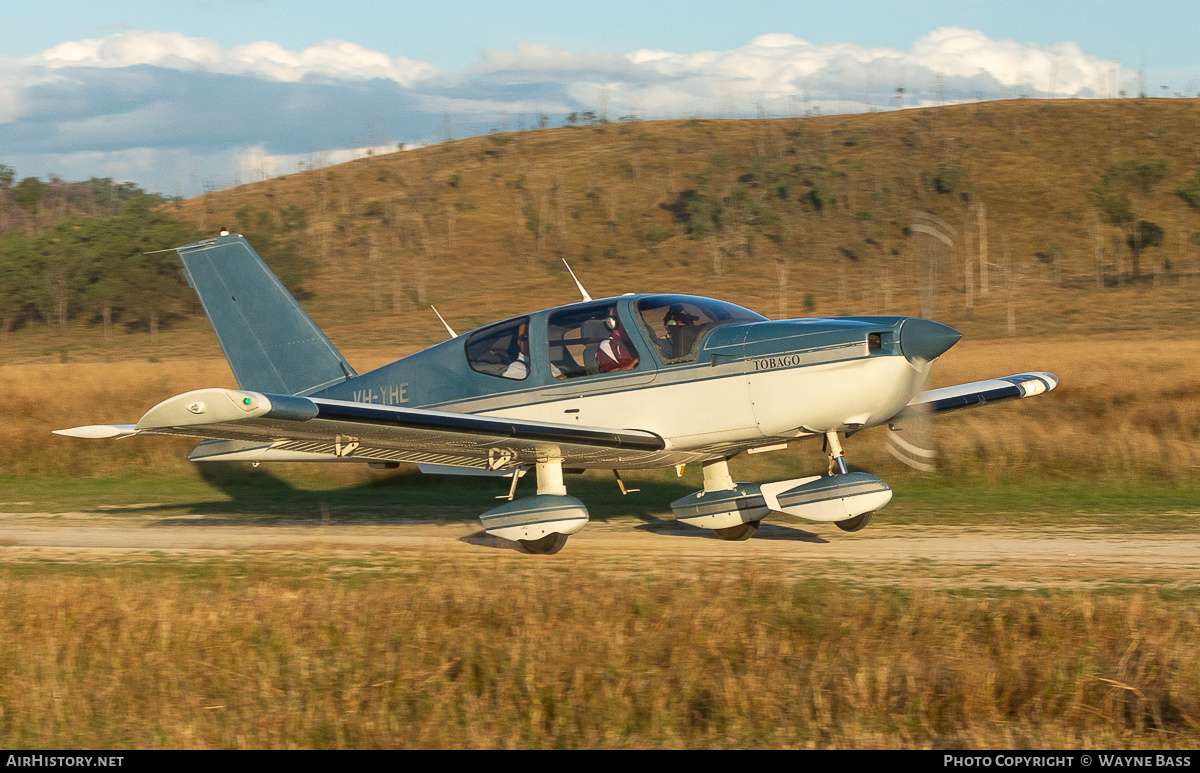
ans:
(912, 440)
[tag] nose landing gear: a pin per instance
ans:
(837, 457)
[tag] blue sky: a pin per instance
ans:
(200, 93)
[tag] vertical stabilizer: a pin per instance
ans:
(271, 343)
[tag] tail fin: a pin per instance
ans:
(271, 344)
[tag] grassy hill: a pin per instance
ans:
(818, 215)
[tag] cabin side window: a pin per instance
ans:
(501, 350)
(588, 341)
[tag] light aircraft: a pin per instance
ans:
(631, 382)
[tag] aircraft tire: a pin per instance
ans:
(738, 533)
(544, 546)
(857, 523)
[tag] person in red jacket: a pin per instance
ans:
(616, 353)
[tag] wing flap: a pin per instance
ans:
(468, 424)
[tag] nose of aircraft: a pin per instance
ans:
(921, 339)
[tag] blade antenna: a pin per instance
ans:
(582, 291)
(449, 329)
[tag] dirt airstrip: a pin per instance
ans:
(881, 554)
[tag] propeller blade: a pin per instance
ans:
(913, 443)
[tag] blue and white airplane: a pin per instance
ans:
(632, 382)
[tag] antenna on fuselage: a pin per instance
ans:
(449, 329)
(582, 291)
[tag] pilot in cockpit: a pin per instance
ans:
(519, 367)
(681, 331)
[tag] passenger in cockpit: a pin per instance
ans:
(616, 352)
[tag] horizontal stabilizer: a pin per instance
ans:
(99, 431)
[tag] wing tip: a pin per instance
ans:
(1036, 383)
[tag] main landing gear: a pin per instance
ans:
(738, 533)
(544, 546)
(541, 523)
(732, 510)
(735, 510)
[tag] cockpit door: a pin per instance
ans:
(593, 349)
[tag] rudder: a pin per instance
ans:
(270, 342)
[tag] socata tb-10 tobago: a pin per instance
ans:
(632, 382)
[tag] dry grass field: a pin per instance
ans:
(342, 652)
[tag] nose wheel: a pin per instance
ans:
(857, 523)
(837, 466)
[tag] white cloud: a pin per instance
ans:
(777, 65)
(165, 110)
(332, 58)
(1062, 67)
(542, 61)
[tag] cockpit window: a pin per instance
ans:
(501, 350)
(677, 323)
(587, 341)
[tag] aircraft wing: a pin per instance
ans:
(254, 426)
(954, 398)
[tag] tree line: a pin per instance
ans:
(101, 252)
(109, 269)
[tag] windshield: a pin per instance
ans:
(678, 323)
